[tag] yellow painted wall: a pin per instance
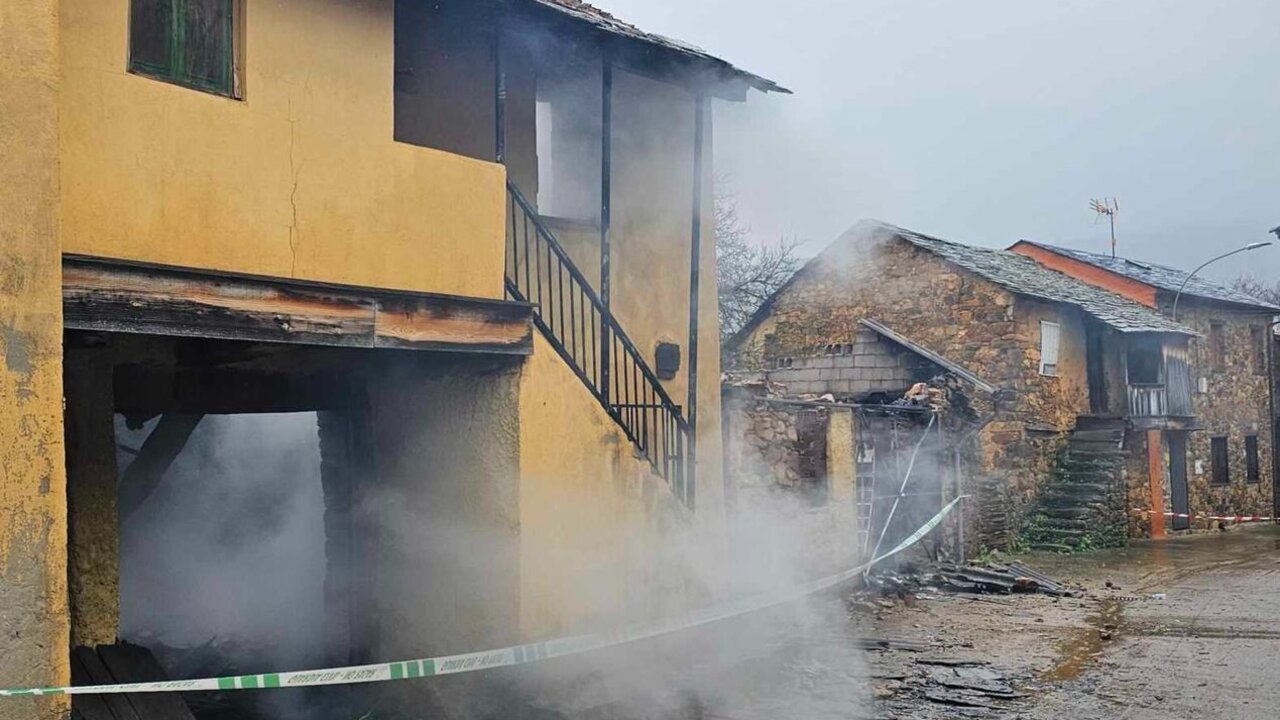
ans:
(301, 178)
(602, 539)
(34, 624)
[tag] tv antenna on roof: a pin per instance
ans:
(1108, 207)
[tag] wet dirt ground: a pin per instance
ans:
(1173, 628)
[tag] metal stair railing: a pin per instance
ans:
(571, 316)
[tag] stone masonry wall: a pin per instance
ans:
(775, 523)
(1235, 404)
(965, 318)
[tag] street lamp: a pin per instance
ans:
(1250, 246)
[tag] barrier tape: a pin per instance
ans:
(488, 659)
(1194, 516)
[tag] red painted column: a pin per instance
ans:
(1155, 480)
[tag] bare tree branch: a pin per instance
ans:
(747, 273)
(1255, 287)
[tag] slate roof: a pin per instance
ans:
(1159, 276)
(588, 13)
(1024, 276)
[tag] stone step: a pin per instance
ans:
(1053, 547)
(1069, 536)
(1094, 422)
(1066, 523)
(1113, 437)
(1049, 498)
(1093, 451)
(1080, 487)
(1074, 512)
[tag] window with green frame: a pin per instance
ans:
(187, 42)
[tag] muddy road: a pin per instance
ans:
(1166, 629)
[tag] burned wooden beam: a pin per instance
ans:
(119, 296)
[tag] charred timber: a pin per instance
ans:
(118, 296)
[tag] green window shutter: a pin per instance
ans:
(187, 42)
(150, 37)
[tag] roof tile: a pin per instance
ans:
(1159, 276)
(1024, 276)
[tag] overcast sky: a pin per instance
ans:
(988, 121)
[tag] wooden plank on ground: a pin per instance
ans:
(134, 663)
(86, 707)
(96, 673)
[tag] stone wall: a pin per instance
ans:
(1235, 403)
(967, 319)
(779, 517)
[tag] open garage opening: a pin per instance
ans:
(243, 508)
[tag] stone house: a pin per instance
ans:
(1042, 356)
(1220, 459)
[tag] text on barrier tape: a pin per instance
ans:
(500, 657)
(1194, 516)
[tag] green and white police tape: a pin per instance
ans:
(487, 659)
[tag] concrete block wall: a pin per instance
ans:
(869, 364)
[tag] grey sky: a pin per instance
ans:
(990, 121)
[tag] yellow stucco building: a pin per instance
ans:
(474, 237)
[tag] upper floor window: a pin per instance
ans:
(1217, 345)
(1218, 460)
(186, 42)
(1048, 348)
(1258, 346)
(1251, 465)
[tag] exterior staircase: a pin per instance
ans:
(1082, 505)
(574, 319)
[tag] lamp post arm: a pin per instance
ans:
(1178, 296)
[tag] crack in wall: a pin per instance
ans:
(295, 169)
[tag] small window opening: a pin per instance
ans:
(1258, 346)
(185, 42)
(1218, 459)
(1217, 346)
(1049, 348)
(1252, 473)
(1145, 362)
(568, 134)
(811, 446)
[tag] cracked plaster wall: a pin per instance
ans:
(33, 519)
(301, 177)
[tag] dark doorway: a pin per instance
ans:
(1093, 364)
(1178, 480)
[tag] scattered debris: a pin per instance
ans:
(970, 582)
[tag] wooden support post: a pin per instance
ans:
(695, 277)
(499, 93)
(606, 173)
(93, 531)
(1155, 480)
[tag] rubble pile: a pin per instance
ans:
(911, 579)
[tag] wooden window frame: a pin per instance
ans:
(1057, 348)
(1219, 461)
(1217, 342)
(1253, 467)
(177, 73)
(1258, 348)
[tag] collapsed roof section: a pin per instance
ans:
(719, 70)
